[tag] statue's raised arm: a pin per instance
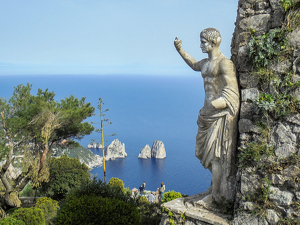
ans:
(217, 120)
(195, 65)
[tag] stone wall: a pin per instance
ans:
(268, 190)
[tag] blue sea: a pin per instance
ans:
(142, 109)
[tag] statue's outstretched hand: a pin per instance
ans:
(178, 44)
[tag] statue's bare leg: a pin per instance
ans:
(216, 179)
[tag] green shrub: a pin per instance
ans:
(65, 174)
(98, 188)
(143, 200)
(277, 105)
(171, 195)
(116, 182)
(11, 221)
(92, 209)
(265, 48)
(32, 216)
(49, 208)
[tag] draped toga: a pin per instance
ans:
(217, 132)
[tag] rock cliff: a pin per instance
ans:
(145, 152)
(85, 156)
(158, 150)
(265, 50)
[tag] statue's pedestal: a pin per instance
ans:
(196, 209)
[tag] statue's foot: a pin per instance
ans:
(208, 203)
(205, 203)
(191, 200)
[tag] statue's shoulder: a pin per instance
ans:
(199, 65)
(203, 61)
(225, 60)
(226, 63)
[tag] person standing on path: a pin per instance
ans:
(142, 187)
(162, 190)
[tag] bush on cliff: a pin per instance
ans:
(98, 188)
(32, 216)
(99, 203)
(93, 209)
(49, 208)
(116, 182)
(65, 174)
(171, 195)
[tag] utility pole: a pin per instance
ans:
(100, 104)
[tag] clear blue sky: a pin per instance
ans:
(107, 36)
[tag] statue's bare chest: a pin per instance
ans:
(210, 69)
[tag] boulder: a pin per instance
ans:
(158, 150)
(280, 197)
(272, 216)
(246, 126)
(249, 94)
(145, 152)
(256, 22)
(115, 150)
(285, 141)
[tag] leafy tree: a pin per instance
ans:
(65, 174)
(30, 126)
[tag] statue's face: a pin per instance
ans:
(206, 46)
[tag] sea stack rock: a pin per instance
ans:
(158, 150)
(94, 145)
(115, 150)
(145, 152)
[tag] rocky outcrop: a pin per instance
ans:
(115, 150)
(145, 152)
(84, 155)
(94, 145)
(158, 150)
(90, 159)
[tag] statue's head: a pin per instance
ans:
(212, 35)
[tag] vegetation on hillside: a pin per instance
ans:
(31, 125)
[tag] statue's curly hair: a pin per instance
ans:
(212, 35)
